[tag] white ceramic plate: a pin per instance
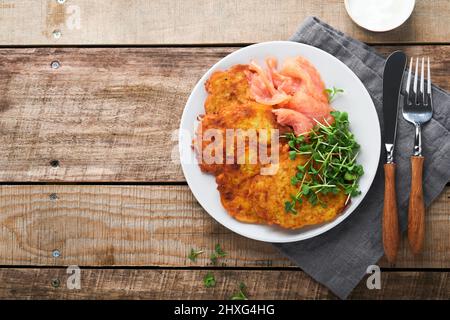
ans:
(356, 101)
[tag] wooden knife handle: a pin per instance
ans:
(416, 211)
(391, 236)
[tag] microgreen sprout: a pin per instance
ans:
(209, 280)
(193, 254)
(218, 253)
(332, 93)
(240, 294)
(331, 167)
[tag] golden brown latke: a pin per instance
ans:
(226, 89)
(234, 187)
(233, 178)
(246, 194)
(269, 193)
(251, 115)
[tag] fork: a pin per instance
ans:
(418, 110)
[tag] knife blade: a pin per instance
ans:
(392, 81)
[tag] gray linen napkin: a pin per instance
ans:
(339, 258)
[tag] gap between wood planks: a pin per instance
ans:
(208, 267)
(110, 183)
(95, 183)
(200, 45)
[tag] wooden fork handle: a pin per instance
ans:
(391, 236)
(416, 211)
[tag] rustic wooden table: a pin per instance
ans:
(85, 169)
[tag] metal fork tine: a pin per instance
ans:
(428, 77)
(429, 99)
(415, 80)
(422, 80)
(408, 81)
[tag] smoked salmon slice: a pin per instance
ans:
(299, 122)
(300, 68)
(296, 91)
(262, 87)
(283, 83)
(314, 109)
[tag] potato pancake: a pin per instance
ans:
(226, 89)
(251, 115)
(268, 194)
(232, 179)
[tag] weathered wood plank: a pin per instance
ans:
(188, 284)
(24, 22)
(107, 114)
(150, 226)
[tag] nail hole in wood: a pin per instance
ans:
(54, 163)
(55, 283)
(55, 64)
(57, 34)
(56, 253)
(53, 196)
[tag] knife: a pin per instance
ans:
(392, 80)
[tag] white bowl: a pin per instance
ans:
(379, 15)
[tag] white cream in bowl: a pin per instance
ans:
(379, 15)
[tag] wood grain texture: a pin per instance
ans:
(391, 235)
(416, 209)
(27, 22)
(108, 114)
(187, 284)
(150, 226)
